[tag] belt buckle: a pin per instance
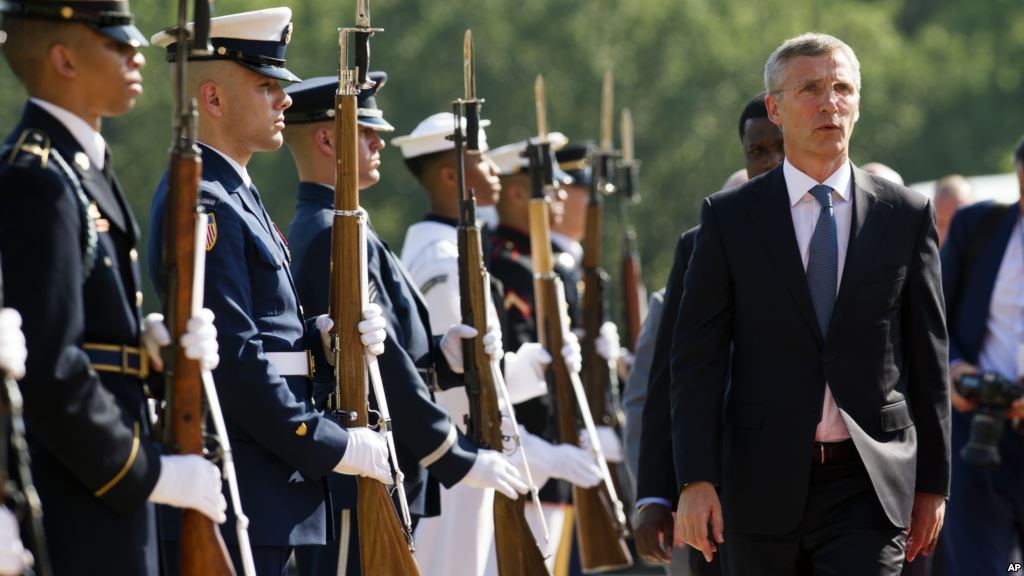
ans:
(310, 365)
(821, 450)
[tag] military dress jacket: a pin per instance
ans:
(70, 268)
(284, 446)
(430, 447)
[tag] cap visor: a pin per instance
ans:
(271, 71)
(126, 34)
(378, 124)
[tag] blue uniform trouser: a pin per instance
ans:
(985, 512)
(323, 560)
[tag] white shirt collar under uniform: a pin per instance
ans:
(242, 172)
(90, 140)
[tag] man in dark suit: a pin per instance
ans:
(814, 293)
(762, 145)
(983, 280)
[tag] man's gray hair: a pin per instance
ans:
(808, 44)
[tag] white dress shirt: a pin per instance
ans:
(805, 210)
(90, 140)
(1003, 345)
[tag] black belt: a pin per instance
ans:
(117, 358)
(832, 452)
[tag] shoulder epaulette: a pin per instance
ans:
(32, 149)
(32, 146)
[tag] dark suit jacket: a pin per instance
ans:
(967, 323)
(656, 476)
(884, 355)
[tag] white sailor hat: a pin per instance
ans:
(433, 135)
(256, 40)
(511, 158)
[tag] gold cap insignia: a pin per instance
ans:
(288, 34)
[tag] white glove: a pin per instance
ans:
(572, 353)
(451, 344)
(199, 339)
(611, 445)
(13, 556)
(190, 481)
(494, 470)
(372, 331)
(607, 342)
(365, 455)
(524, 372)
(12, 344)
(562, 461)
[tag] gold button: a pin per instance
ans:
(67, 12)
(222, 50)
(301, 430)
(134, 255)
(108, 262)
(138, 299)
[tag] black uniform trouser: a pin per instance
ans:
(844, 532)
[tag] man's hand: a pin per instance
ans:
(961, 404)
(611, 445)
(451, 344)
(199, 339)
(699, 504)
(493, 470)
(925, 522)
(653, 533)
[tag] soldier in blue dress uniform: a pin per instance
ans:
(78, 287)
(284, 445)
(414, 364)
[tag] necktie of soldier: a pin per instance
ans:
(823, 259)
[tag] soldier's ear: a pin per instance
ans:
(62, 60)
(323, 139)
(210, 99)
(446, 175)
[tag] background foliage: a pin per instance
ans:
(941, 89)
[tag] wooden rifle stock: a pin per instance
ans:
(202, 548)
(633, 292)
(518, 553)
(383, 546)
(599, 534)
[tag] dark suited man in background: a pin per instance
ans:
(649, 423)
(983, 280)
(813, 292)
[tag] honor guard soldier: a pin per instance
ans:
(78, 288)
(414, 364)
(284, 446)
(309, 124)
(512, 265)
(461, 540)
(566, 236)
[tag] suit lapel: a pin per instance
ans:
(866, 232)
(770, 211)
